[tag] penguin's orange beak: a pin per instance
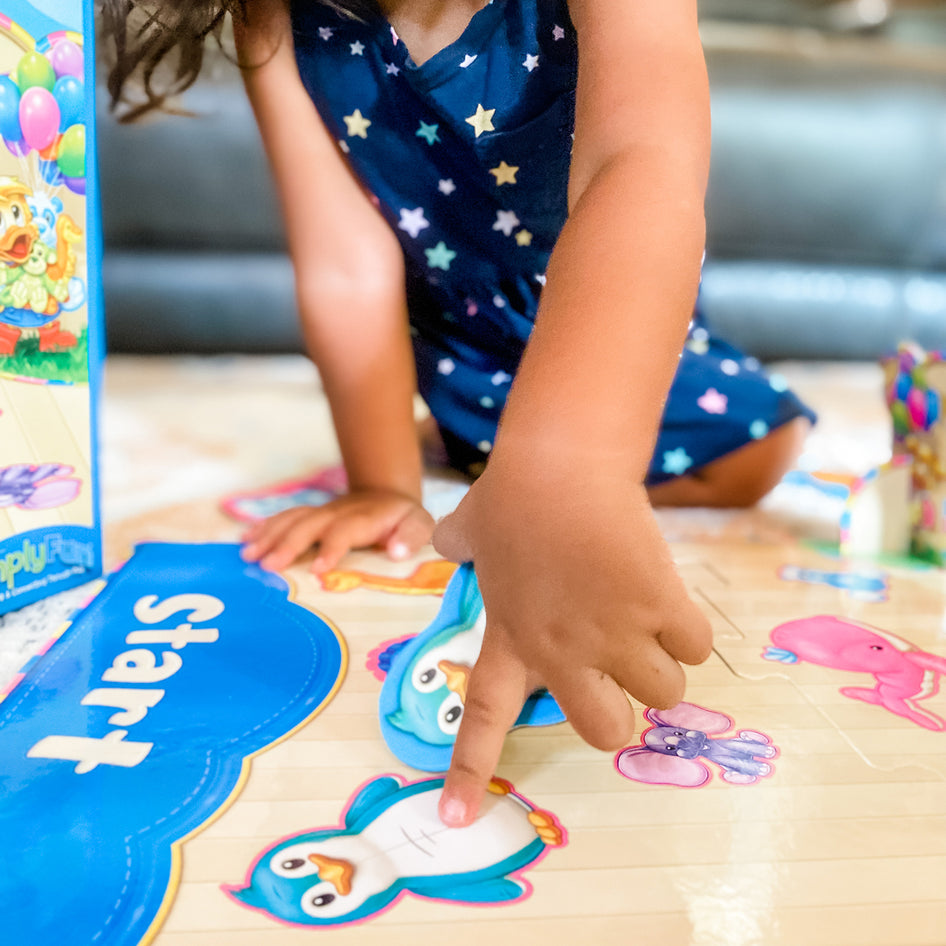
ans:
(458, 676)
(335, 871)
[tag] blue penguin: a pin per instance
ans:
(393, 842)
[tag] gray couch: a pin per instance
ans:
(826, 208)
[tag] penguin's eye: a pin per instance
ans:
(449, 714)
(294, 863)
(426, 679)
(322, 899)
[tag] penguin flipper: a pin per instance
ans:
(493, 890)
(375, 791)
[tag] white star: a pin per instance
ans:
(501, 378)
(485, 446)
(482, 119)
(558, 33)
(540, 278)
(507, 221)
(446, 186)
(391, 69)
(325, 33)
(445, 366)
(343, 145)
(499, 302)
(413, 221)
(468, 61)
(531, 62)
(357, 48)
(357, 124)
(728, 366)
(713, 402)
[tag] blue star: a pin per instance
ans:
(428, 131)
(676, 461)
(758, 429)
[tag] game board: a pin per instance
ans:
(785, 808)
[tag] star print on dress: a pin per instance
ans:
(391, 69)
(558, 33)
(501, 377)
(357, 124)
(429, 132)
(524, 238)
(499, 302)
(446, 186)
(357, 48)
(728, 366)
(468, 61)
(713, 402)
(540, 278)
(507, 221)
(446, 366)
(531, 62)
(504, 173)
(778, 383)
(482, 120)
(758, 429)
(440, 257)
(413, 221)
(326, 33)
(487, 402)
(676, 461)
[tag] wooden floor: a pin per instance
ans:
(842, 841)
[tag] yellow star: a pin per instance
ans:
(357, 124)
(482, 120)
(524, 238)
(504, 173)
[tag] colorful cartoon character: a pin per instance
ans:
(862, 585)
(35, 278)
(37, 486)
(673, 748)
(424, 691)
(903, 673)
(392, 842)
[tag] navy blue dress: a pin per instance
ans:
(467, 157)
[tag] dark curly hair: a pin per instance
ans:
(156, 47)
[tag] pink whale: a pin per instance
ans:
(903, 673)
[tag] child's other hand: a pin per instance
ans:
(581, 596)
(373, 518)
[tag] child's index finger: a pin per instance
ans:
(494, 699)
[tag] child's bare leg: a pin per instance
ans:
(740, 478)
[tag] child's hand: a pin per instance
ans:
(581, 596)
(374, 518)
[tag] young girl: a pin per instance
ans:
(501, 205)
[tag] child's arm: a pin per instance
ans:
(580, 590)
(350, 290)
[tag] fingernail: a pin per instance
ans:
(453, 812)
(399, 550)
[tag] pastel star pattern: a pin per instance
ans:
(446, 366)
(558, 33)
(482, 120)
(357, 124)
(758, 429)
(728, 366)
(501, 377)
(468, 61)
(524, 238)
(484, 446)
(440, 257)
(777, 382)
(531, 62)
(713, 402)
(446, 186)
(676, 462)
(504, 173)
(391, 69)
(357, 48)
(326, 33)
(507, 221)
(428, 132)
(413, 221)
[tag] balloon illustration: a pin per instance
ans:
(35, 71)
(39, 117)
(69, 93)
(72, 152)
(66, 59)
(9, 109)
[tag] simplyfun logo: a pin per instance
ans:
(136, 728)
(36, 557)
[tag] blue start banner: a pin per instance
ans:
(137, 727)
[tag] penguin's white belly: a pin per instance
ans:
(418, 844)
